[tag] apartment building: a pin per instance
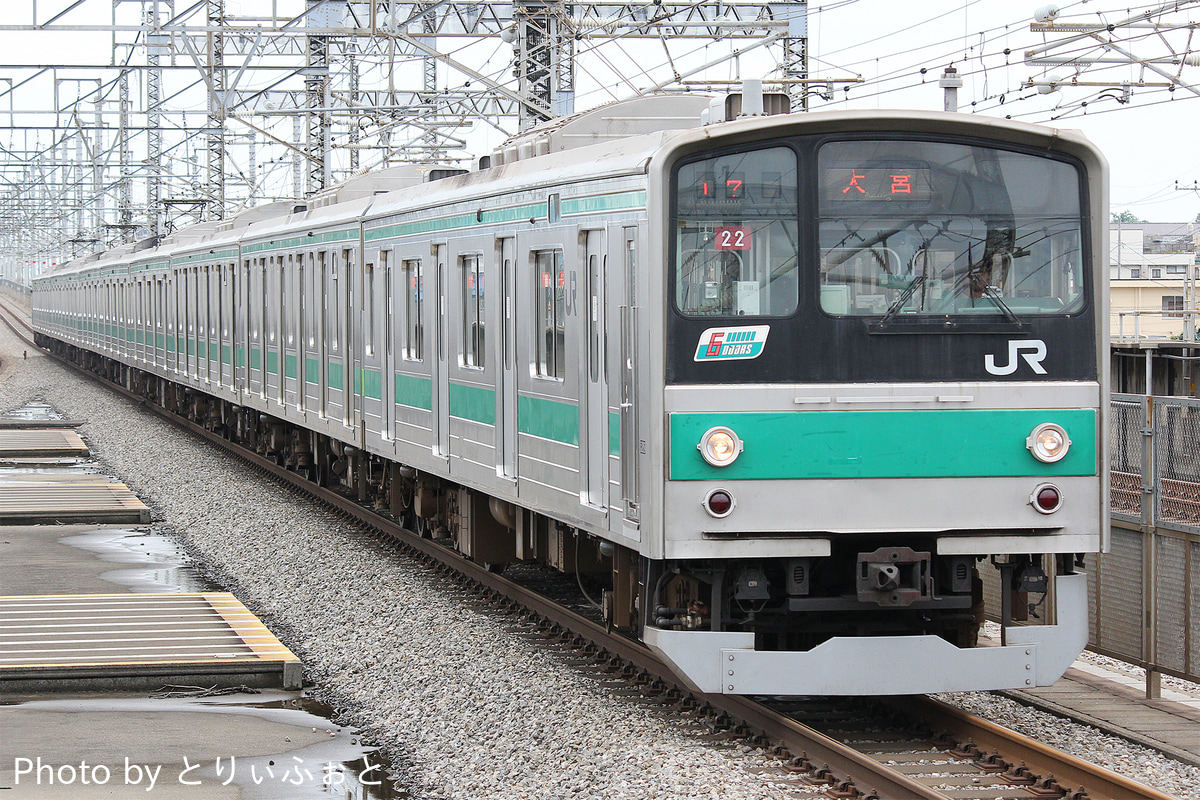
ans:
(1154, 270)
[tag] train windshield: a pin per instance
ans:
(916, 228)
(737, 219)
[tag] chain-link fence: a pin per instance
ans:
(1177, 462)
(1126, 454)
(1146, 589)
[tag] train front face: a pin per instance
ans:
(885, 401)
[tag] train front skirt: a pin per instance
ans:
(1035, 655)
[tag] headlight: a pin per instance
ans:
(1048, 442)
(720, 446)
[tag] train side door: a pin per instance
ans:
(301, 283)
(226, 324)
(260, 277)
(629, 354)
(388, 383)
(267, 363)
(282, 327)
(594, 397)
(353, 338)
(436, 313)
(506, 376)
(321, 301)
(241, 350)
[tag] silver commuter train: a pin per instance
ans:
(803, 393)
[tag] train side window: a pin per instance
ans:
(369, 308)
(281, 320)
(255, 321)
(313, 290)
(346, 315)
(185, 322)
(507, 322)
(550, 301)
(293, 278)
(268, 319)
(330, 297)
(413, 324)
(472, 310)
(227, 271)
(595, 296)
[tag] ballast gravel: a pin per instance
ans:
(465, 707)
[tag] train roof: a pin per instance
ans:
(611, 141)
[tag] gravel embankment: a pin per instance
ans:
(471, 710)
(467, 708)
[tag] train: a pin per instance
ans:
(797, 396)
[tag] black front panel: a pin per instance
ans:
(908, 260)
(810, 348)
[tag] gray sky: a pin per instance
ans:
(1151, 142)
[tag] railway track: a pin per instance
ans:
(899, 748)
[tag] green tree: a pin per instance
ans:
(1125, 216)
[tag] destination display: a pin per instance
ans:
(889, 184)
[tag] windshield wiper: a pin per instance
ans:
(895, 307)
(993, 294)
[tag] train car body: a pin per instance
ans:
(799, 392)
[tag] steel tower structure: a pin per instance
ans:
(161, 113)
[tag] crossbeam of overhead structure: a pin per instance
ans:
(208, 107)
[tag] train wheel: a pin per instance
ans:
(320, 473)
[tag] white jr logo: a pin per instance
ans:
(1036, 352)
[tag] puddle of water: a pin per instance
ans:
(13, 469)
(325, 759)
(371, 777)
(34, 411)
(332, 762)
(162, 566)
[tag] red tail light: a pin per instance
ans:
(718, 503)
(1046, 498)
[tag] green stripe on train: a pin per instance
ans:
(531, 211)
(604, 202)
(458, 221)
(548, 419)
(302, 242)
(414, 391)
(369, 383)
(882, 444)
(473, 403)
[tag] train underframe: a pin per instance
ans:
(489, 530)
(874, 593)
